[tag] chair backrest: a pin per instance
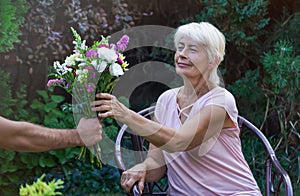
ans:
(273, 168)
(139, 145)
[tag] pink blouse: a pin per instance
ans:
(217, 166)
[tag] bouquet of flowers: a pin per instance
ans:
(87, 71)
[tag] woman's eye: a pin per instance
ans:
(193, 50)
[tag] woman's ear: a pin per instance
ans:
(212, 64)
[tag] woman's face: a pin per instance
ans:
(191, 59)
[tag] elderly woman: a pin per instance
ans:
(195, 135)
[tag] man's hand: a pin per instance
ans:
(133, 175)
(90, 131)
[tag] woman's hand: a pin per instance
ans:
(109, 106)
(133, 175)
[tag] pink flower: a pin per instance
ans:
(103, 45)
(55, 82)
(122, 43)
(89, 68)
(91, 53)
(90, 87)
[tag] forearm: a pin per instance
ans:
(164, 137)
(191, 134)
(154, 171)
(154, 132)
(35, 138)
(154, 164)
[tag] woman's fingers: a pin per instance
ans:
(101, 102)
(128, 179)
(125, 182)
(129, 184)
(109, 106)
(105, 96)
(105, 104)
(141, 185)
(101, 108)
(101, 105)
(106, 114)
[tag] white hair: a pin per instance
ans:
(210, 37)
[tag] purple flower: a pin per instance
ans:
(120, 60)
(55, 82)
(91, 53)
(90, 87)
(122, 43)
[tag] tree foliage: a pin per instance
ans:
(11, 18)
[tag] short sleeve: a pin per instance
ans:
(223, 98)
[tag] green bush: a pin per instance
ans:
(242, 22)
(11, 18)
(82, 178)
(6, 98)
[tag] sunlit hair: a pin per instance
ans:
(210, 37)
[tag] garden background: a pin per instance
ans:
(261, 69)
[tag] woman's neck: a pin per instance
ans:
(195, 90)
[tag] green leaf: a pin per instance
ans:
(29, 159)
(57, 98)
(47, 161)
(44, 94)
(65, 155)
(36, 104)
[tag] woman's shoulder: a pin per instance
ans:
(218, 96)
(221, 91)
(169, 94)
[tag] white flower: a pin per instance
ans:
(82, 75)
(109, 55)
(71, 60)
(99, 65)
(61, 69)
(116, 70)
(83, 46)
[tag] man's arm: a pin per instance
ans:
(28, 137)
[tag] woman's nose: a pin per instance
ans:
(182, 53)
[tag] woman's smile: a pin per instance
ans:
(182, 64)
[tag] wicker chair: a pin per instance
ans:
(275, 174)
